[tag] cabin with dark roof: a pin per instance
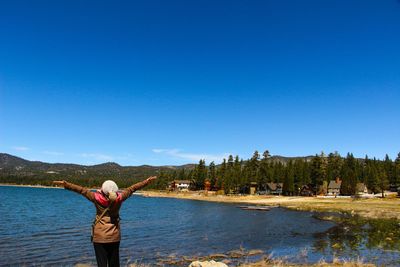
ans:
(274, 188)
(334, 187)
(307, 190)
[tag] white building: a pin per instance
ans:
(180, 185)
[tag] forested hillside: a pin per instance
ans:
(233, 175)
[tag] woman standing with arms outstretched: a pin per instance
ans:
(106, 233)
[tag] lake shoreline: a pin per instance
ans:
(377, 208)
(336, 237)
(32, 186)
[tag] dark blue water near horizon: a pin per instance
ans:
(49, 227)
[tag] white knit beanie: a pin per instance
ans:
(109, 186)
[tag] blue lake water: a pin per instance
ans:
(52, 227)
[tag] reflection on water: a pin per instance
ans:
(355, 236)
(52, 227)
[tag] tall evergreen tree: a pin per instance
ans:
(334, 166)
(389, 170)
(237, 174)
(319, 172)
(221, 173)
(288, 184)
(264, 175)
(298, 172)
(212, 174)
(397, 170)
(349, 178)
(383, 180)
(254, 167)
(228, 180)
(371, 173)
(200, 174)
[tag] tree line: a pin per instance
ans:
(235, 175)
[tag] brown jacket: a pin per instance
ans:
(107, 230)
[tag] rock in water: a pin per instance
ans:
(207, 264)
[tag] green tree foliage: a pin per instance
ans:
(212, 174)
(200, 174)
(237, 175)
(288, 183)
(229, 176)
(397, 170)
(221, 175)
(334, 165)
(300, 173)
(264, 174)
(349, 176)
(232, 175)
(253, 166)
(389, 169)
(370, 175)
(319, 166)
(383, 180)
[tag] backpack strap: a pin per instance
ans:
(100, 217)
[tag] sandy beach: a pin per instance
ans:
(374, 208)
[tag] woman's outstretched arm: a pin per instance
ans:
(128, 192)
(76, 188)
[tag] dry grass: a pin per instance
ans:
(282, 263)
(368, 208)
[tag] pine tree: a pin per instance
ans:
(349, 178)
(319, 172)
(228, 181)
(371, 174)
(389, 170)
(266, 155)
(221, 173)
(334, 166)
(212, 174)
(264, 175)
(281, 172)
(382, 180)
(298, 173)
(200, 174)
(237, 174)
(288, 184)
(254, 164)
(397, 171)
(306, 176)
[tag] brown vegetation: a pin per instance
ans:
(368, 208)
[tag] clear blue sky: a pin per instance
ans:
(169, 82)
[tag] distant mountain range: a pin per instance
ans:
(10, 162)
(13, 164)
(21, 171)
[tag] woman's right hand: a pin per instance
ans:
(59, 183)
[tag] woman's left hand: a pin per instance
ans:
(151, 178)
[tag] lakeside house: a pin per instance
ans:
(274, 188)
(180, 185)
(307, 190)
(361, 189)
(253, 188)
(394, 188)
(334, 187)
